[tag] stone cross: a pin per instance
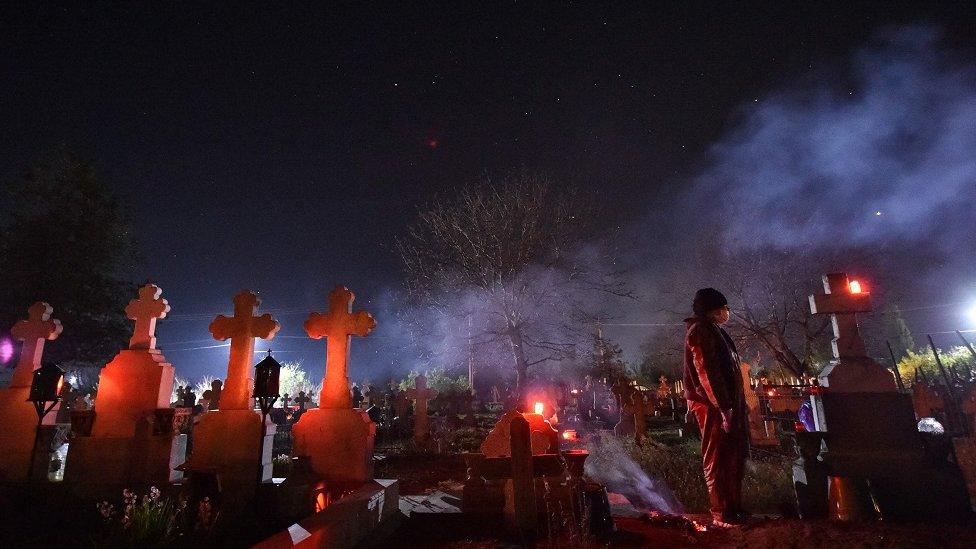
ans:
(842, 305)
(851, 370)
(38, 328)
(338, 326)
(286, 401)
(241, 329)
(302, 400)
(420, 394)
(145, 310)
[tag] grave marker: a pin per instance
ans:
(420, 394)
(18, 420)
(336, 439)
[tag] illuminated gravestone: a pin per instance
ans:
(132, 440)
(851, 370)
(420, 394)
(337, 440)
(229, 441)
(866, 439)
(758, 435)
(18, 420)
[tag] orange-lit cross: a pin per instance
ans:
(241, 329)
(145, 310)
(38, 328)
(338, 326)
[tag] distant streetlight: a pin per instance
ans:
(971, 314)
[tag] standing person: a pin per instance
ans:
(713, 388)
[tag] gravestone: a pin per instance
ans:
(758, 435)
(420, 394)
(544, 438)
(869, 437)
(133, 441)
(18, 419)
(337, 439)
(216, 390)
(230, 441)
(851, 370)
(927, 403)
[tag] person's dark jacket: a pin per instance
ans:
(712, 372)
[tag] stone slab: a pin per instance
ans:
(230, 444)
(135, 382)
(346, 522)
(857, 375)
(338, 443)
(106, 465)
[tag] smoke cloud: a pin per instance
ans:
(875, 152)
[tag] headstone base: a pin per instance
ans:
(229, 443)
(337, 442)
(97, 465)
(857, 375)
(19, 425)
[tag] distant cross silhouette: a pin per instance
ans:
(285, 401)
(241, 329)
(38, 328)
(338, 326)
(420, 394)
(302, 400)
(145, 311)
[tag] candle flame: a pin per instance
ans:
(539, 408)
(855, 287)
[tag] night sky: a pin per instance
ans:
(283, 150)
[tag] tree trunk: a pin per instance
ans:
(521, 364)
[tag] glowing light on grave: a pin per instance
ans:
(6, 351)
(855, 287)
(539, 408)
(569, 434)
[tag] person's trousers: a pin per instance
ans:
(723, 459)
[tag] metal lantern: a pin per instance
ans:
(266, 377)
(47, 385)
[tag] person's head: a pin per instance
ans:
(711, 304)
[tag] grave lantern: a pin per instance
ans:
(47, 384)
(266, 377)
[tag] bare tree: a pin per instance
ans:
(768, 291)
(519, 261)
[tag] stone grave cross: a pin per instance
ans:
(420, 394)
(241, 329)
(38, 328)
(851, 370)
(338, 326)
(842, 304)
(145, 311)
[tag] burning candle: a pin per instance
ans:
(569, 434)
(855, 287)
(539, 407)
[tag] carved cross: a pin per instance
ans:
(420, 394)
(302, 400)
(842, 305)
(338, 326)
(38, 328)
(145, 310)
(241, 329)
(286, 401)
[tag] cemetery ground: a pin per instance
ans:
(440, 471)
